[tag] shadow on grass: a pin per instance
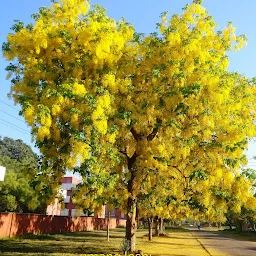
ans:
(176, 229)
(251, 248)
(241, 236)
(90, 242)
(21, 247)
(167, 243)
(39, 237)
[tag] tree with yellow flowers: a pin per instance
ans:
(96, 191)
(97, 94)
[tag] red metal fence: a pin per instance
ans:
(13, 224)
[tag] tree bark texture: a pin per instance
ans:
(108, 225)
(150, 228)
(156, 226)
(162, 225)
(131, 214)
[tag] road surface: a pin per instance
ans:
(217, 245)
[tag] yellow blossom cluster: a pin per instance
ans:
(80, 152)
(46, 120)
(79, 89)
(29, 115)
(42, 133)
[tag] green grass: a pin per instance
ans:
(94, 242)
(238, 235)
(63, 244)
(176, 229)
(178, 242)
(244, 236)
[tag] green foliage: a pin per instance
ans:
(199, 174)
(251, 175)
(17, 150)
(16, 194)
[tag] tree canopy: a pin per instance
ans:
(102, 97)
(18, 150)
(16, 193)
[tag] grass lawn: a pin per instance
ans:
(244, 236)
(224, 231)
(178, 242)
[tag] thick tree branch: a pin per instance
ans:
(136, 136)
(124, 153)
(153, 134)
(132, 160)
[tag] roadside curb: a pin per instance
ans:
(200, 243)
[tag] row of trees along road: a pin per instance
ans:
(157, 122)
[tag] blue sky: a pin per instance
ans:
(143, 14)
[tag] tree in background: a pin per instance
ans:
(243, 213)
(100, 96)
(18, 150)
(96, 191)
(16, 194)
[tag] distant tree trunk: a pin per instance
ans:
(245, 225)
(162, 225)
(239, 225)
(108, 225)
(229, 223)
(156, 226)
(150, 228)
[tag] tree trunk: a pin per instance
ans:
(229, 223)
(131, 224)
(156, 226)
(108, 225)
(137, 218)
(131, 213)
(162, 225)
(150, 230)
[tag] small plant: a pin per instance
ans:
(125, 245)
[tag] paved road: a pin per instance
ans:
(216, 245)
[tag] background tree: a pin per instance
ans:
(243, 213)
(97, 93)
(16, 194)
(18, 150)
(96, 191)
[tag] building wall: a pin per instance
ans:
(12, 224)
(54, 208)
(115, 213)
(69, 183)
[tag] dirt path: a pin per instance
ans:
(216, 245)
